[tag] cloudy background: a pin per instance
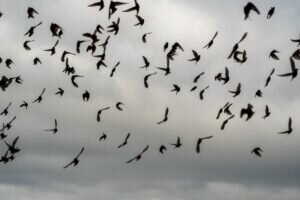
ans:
(225, 168)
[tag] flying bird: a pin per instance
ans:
(175, 89)
(30, 32)
(5, 111)
(73, 80)
(201, 94)
(248, 8)
(257, 151)
(196, 57)
(198, 76)
(177, 144)
(40, 97)
(118, 106)
(30, 12)
(103, 137)
(270, 12)
(75, 160)
(135, 8)
(258, 93)
(99, 4)
(290, 129)
(125, 141)
(64, 54)
(25, 44)
(113, 7)
(165, 116)
(54, 130)
(273, 54)
(139, 156)
(24, 104)
(199, 141)
(99, 113)
(269, 77)
(226, 121)
(237, 90)
(60, 92)
(144, 36)
(147, 63)
(86, 96)
(146, 79)
(267, 112)
(36, 60)
(210, 43)
(114, 27)
(294, 71)
(114, 69)
(52, 50)
(247, 111)
(162, 149)
(78, 44)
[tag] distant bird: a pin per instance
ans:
(175, 89)
(64, 54)
(146, 79)
(236, 46)
(193, 88)
(8, 63)
(144, 36)
(99, 4)
(147, 63)
(290, 129)
(103, 137)
(25, 44)
(226, 121)
(141, 21)
(257, 151)
(118, 106)
(86, 96)
(196, 57)
(113, 7)
(54, 130)
(5, 111)
(52, 50)
(269, 77)
(198, 76)
(248, 8)
(30, 32)
(12, 147)
(30, 12)
(201, 94)
(226, 109)
(73, 80)
(221, 110)
(237, 91)
(240, 56)
(135, 8)
(5, 158)
(78, 44)
(114, 69)
(273, 54)
(165, 116)
(166, 45)
(56, 30)
(270, 12)
(36, 60)
(199, 141)
(267, 112)
(247, 111)
(294, 71)
(9, 124)
(210, 43)
(40, 97)
(68, 69)
(114, 27)
(99, 113)
(162, 149)
(172, 53)
(60, 92)
(296, 54)
(24, 104)
(125, 141)
(258, 93)
(177, 144)
(75, 160)
(139, 156)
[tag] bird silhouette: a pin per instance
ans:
(8, 63)
(99, 4)
(12, 147)
(125, 141)
(68, 69)
(78, 44)
(296, 54)
(56, 30)
(75, 160)
(267, 112)
(196, 57)
(247, 111)
(172, 53)
(30, 12)
(99, 113)
(248, 8)
(175, 89)
(36, 60)
(201, 94)
(257, 151)
(5, 111)
(25, 44)
(198, 76)
(60, 92)
(166, 45)
(227, 109)
(294, 71)
(162, 149)
(113, 7)
(9, 124)
(30, 32)
(86, 96)
(139, 156)
(290, 129)
(165, 116)
(270, 12)
(64, 54)
(210, 43)
(136, 8)
(5, 159)
(199, 141)
(236, 46)
(40, 97)
(2, 132)
(54, 130)
(114, 27)
(240, 56)
(114, 69)
(118, 106)
(258, 93)
(146, 79)
(226, 121)
(24, 104)
(237, 91)
(269, 77)
(273, 54)
(141, 21)
(147, 63)
(103, 137)
(73, 77)
(52, 50)
(177, 144)
(144, 37)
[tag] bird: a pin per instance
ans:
(166, 45)
(258, 93)
(237, 91)
(248, 8)
(30, 12)
(64, 54)
(36, 60)
(238, 59)
(202, 92)
(52, 50)
(8, 125)
(103, 137)
(75, 160)
(30, 32)
(136, 8)
(199, 141)
(146, 79)
(247, 111)
(60, 92)
(267, 112)
(294, 71)
(5, 111)
(99, 4)
(8, 63)
(99, 113)
(24, 104)
(141, 21)
(25, 44)
(210, 43)
(177, 144)
(114, 69)
(195, 80)
(269, 77)
(273, 54)
(226, 121)
(12, 147)
(139, 156)
(236, 46)
(226, 109)
(86, 96)
(40, 97)
(147, 63)
(56, 30)
(144, 36)
(270, 12)
(257, 151)
(162, 149)
(125, 141)
(175, 89)
(171, 54)
(113, 7)
(118, 106)
(114, 27)
(54, 130)
(5, 158)
(196, 57)
(290, 129)
(73, 79)
(296, 54)
(165, 116)
(68, 69)
(78, 44)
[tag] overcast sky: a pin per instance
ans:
(225, 168)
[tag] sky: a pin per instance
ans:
(225, 167)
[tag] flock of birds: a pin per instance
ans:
(92, 40)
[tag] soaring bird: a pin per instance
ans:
(165, 116)
(99, 113)
(197, 77)
(141, 21)
(99, 4)
(177, 144)
(247, 111)
(125, 141)
(269, 77)
(139, 156)
(196, 57)
(103, 137)
(52, 50)
(237, 90)
(113, 7)
(5, 111)
(290, 129)
(226, 121)
(175, 89)
(257, 151)
(75, 160)
(40, 97)
(118, 106)
(30, 32)
(30, 12)
(270, 12)
(54, 130)
(136, 8)
(73, 77)
(146, 79)
(294, 71)
(248, 8)
(267, 112)
(60, 92)
(162, 149)
(273, 54)
(86, 96)
(199, 141)
(24, 104)
(25, 44)
(12, 147)
(210, 43)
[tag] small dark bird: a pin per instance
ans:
(105, 43)
(147, 63)
(99, 113)
(240, 56)
(136, 8)
(210, 43)
(36, 60)
(86, 96)
(73, 80)
(113, 7)
(165, 116)
(24, 104)
(65, 53)
(125, 141)
(25, 44)
(30, 12)
(60, 92)
(248, 8)
(52, 49)
(193, 88)
(144, 37)
(56, 30)
(78, 44)
(226, 121)
(30, 32)
(247, 111)
(40, 97)
(139, 156)
(202, 92)
(114, 69)
(236, 46)
(258, 93)
(103, 137)
(225, 78)
(199, 141)
(271, 12)
(177, 144)
(166, 45)
(167, 70)
(54, 130)
(146, 79)
(118, 106)
(294, 72)
(237, 91)
(75, 160)
(5, 158)
(226, 109)
(257, 151)
(99, 4)
(196, 57)
(8, 63)
(68, 69)
(8, 125)
(162, 149)
(114, 27)
(290, 129)
(267, 112)
(5, 111)
(141, 21)
(198, 76)
(296, 54)
(2, 134)
(176, 89)
(273, 54)
(12, 147)
(269, 77)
